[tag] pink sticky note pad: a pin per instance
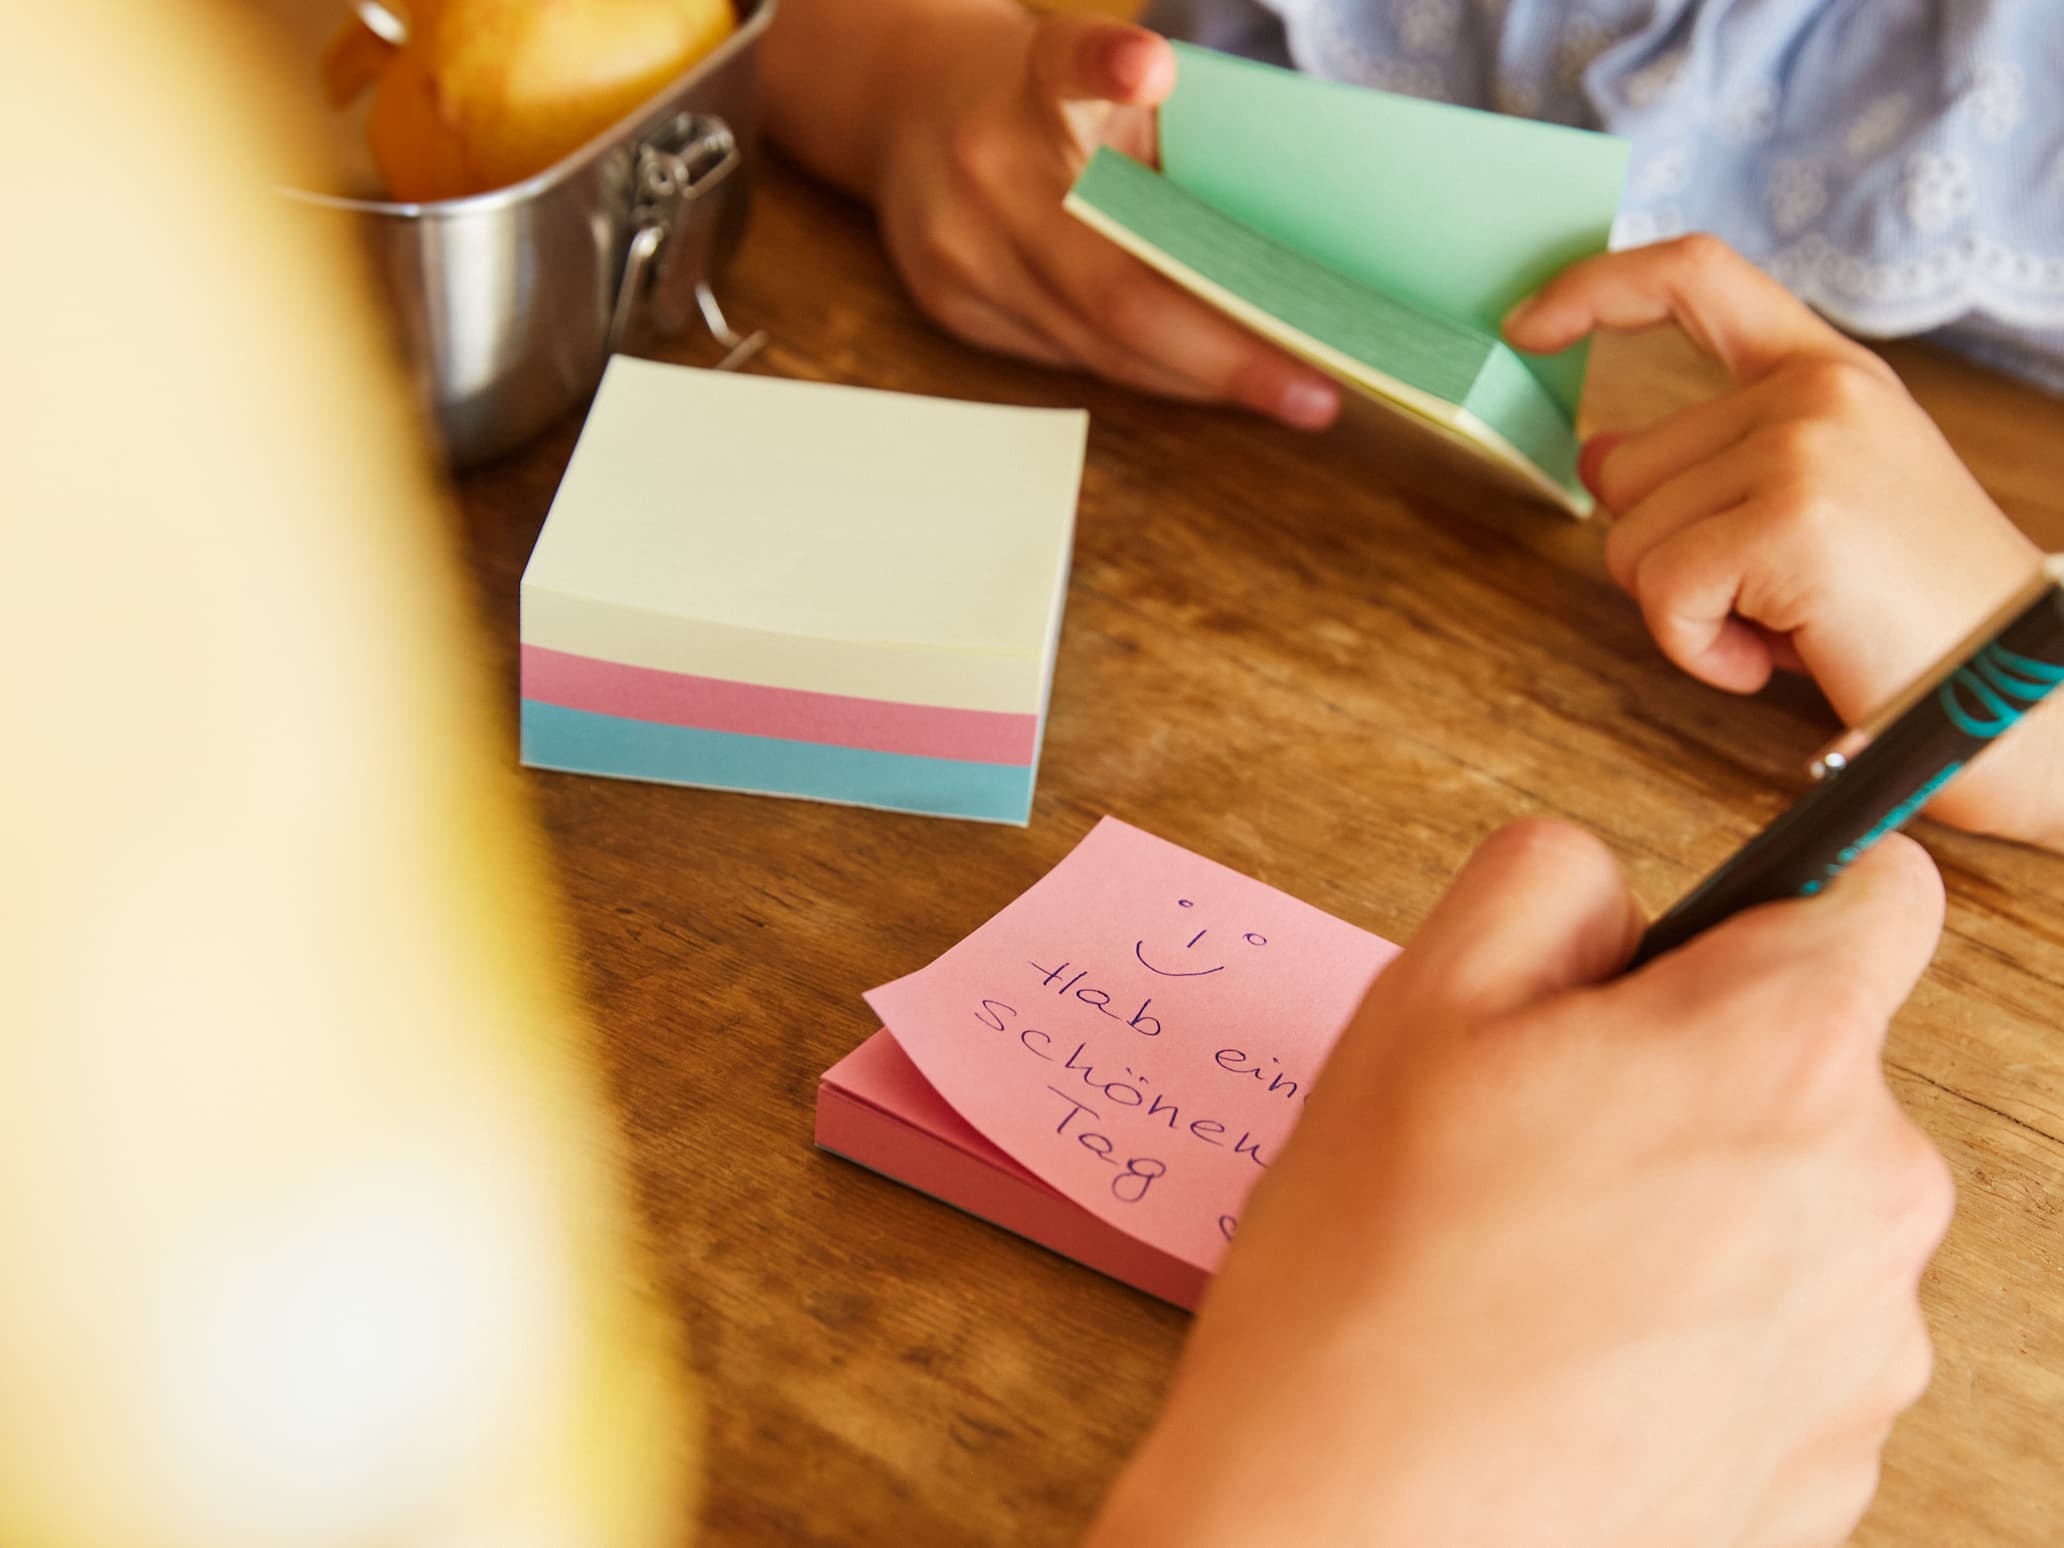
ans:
(874, 1108)
(1137, 1033)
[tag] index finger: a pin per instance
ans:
(1728, 306)
(1123, 311)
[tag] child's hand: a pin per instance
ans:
(1812, 517)
(969, 187)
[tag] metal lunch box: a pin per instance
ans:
(509, 303)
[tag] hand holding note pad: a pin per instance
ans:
(1110, 1063)
(1380, 238)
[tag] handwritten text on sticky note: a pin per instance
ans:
(1140, 1030)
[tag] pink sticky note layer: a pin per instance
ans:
(793, 714)
(874, 1108)
(1139, 1031)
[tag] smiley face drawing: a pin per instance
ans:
(1139, 950)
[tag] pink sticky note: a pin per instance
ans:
(1139, 1031)
(874, 1108)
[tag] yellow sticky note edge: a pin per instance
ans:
(1013, 683)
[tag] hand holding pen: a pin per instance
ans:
(1875, 778)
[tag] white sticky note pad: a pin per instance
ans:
(803, 536)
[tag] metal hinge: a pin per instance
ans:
(673, 231)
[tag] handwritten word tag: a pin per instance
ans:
(1140, 1030)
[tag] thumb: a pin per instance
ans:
(1730, 308)
(1083, 59)
(1539, 908)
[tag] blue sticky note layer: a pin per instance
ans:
(579, 742)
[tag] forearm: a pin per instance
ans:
(838, 76)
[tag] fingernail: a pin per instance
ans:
(1522, 309)
(1130, 61)
(1308, 404)
(1591, 460)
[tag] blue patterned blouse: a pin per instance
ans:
(1898, 163)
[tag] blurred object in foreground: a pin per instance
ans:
(310, 1207)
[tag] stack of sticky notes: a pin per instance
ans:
(1110, 1064)
(806, 590)
(1379, 237)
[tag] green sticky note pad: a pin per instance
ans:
(1381, 237)
(1459, 378)
(1458, 211)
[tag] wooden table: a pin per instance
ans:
(1334, 664)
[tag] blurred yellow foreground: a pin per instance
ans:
(311, 1219)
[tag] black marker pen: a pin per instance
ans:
(1874, 778)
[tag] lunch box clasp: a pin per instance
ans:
(673, 226)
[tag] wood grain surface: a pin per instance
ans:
(1335, 664)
